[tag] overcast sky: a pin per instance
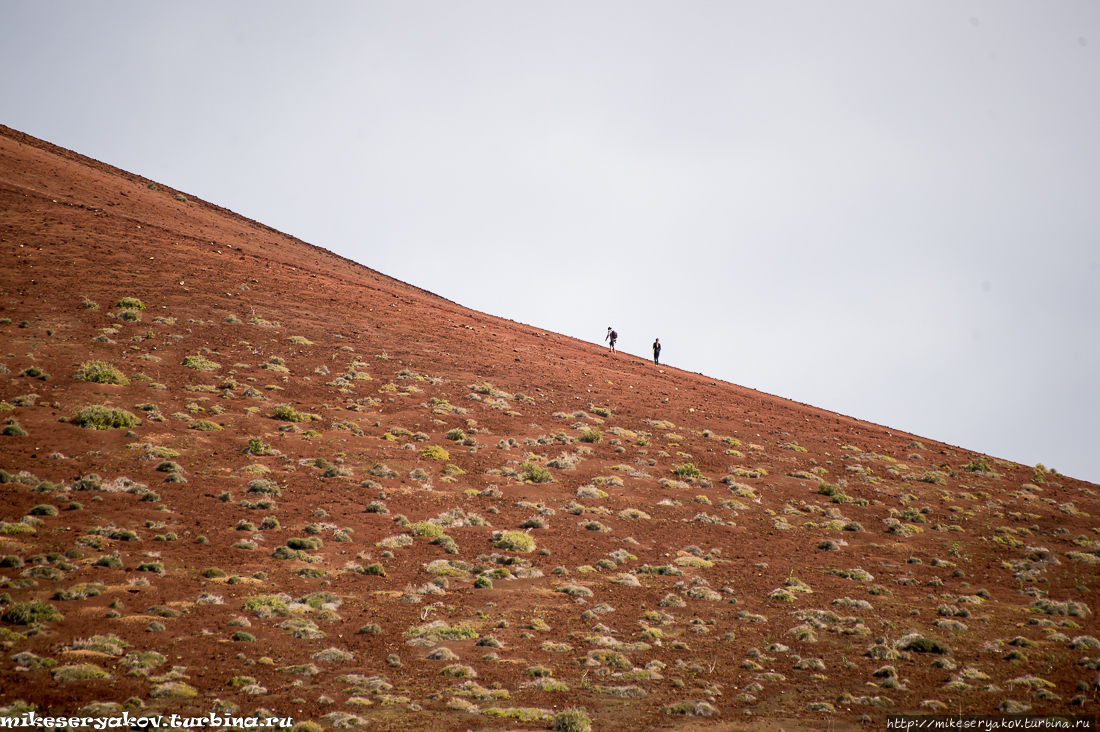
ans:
(890, 210)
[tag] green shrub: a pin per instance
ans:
(426, 528)
(572, 719)
(287, 413)
(173, 690)
(687, 470)
(205, 425)
(515, 541)
(264, 487)
(440, 631)
(591, 434)
(13, 429)
(30, 613)
(15, 529)
(109, 560)
(43, 509)
(256, 446)
(130, 303)
(79, 672)
(923, 645)
(459, 671)
(433, 452)
(200, 363)
(535, 473)
(267, 605)
(100, 372)
(104, 418)
(283, 552)
(977, 465)
(310, 543)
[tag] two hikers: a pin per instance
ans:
(613, 336)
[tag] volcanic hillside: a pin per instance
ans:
(245, 475)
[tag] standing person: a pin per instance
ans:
(656, 352)
(611, 336)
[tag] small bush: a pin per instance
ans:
(573, 719)
(687, 470)
(977, 465)
(515, 541)
(692, 708)
(30, 613)
(373, 570)
(535, 473)
(264, 487)
(433, 452)
(130, 303)
(100, 372)
(920, 644)
(256, 446)
(200, 363)
(79, 672)
(43, 509)
(205, 425)
(458, 671)
(104, 418)
(109, 560)
(591, 435)
(287, 413)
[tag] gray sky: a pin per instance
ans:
(890, 210)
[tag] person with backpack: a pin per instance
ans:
(611, 336)
(657, 352)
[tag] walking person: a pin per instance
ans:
(611, 336)
(656, 352)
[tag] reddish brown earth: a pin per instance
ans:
(942, 533)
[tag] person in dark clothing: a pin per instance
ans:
(611, 336)
(657, 351)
